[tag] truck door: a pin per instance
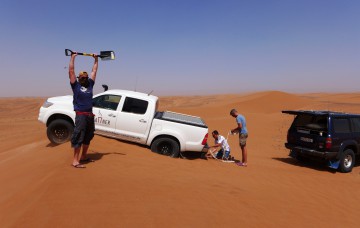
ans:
(133, 121)
(105, 110)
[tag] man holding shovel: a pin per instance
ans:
(82, 100)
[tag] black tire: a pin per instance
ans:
(203, 155)
(166, 146)
(59, 131)
(347, 161)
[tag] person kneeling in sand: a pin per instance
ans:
(220, 141)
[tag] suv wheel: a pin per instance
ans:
(347, 161)
(59, 131)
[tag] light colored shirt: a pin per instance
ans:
(224, 144)
(241, 119)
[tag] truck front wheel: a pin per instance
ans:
(59, 131)
(166, 146)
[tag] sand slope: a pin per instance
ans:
(129, 186)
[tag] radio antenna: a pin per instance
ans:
(136, 82)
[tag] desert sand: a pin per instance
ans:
(129, 186)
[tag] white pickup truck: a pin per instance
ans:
(130, 116)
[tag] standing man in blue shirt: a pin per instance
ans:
(84, 120)
(243, 134)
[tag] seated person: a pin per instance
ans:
(220, 141)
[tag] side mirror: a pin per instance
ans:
(105, 87)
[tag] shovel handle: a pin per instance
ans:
(69, 52)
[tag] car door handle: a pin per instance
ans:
(111, 115)
(142, 121)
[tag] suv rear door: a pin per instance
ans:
(308, 130)
(355, 126)
(341, 131)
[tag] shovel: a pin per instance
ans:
(104, 55)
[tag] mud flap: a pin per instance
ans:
(334, 164)
(293, 154)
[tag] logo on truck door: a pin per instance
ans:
(100, 120)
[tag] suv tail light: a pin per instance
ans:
(328, 143)
(205, 139)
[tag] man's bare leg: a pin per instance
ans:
(76, 156)
(84, 151)
(244, 155)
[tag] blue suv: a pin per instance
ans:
(333, 136)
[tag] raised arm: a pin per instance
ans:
(72, 75)
(95, 67)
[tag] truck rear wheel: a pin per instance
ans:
(166, 146)
(347, 161)
(59, 131)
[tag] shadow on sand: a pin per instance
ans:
(312, 164)
(95, 156)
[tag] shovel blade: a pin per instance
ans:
(107, 55)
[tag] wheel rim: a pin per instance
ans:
(348, 161)
(61, 133)
(165, 148)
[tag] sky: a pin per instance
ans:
(182, 47)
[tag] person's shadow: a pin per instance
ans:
(93, 156)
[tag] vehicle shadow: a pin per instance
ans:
(312, 164)
(189, 155)
(198, 155)
(50, 144)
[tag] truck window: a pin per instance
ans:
(341, 125)
(355, 122)
(134, 105)
(110, 102)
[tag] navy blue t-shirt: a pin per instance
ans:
(83, 96)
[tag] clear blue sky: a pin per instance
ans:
(182, 47)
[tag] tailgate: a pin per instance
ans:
(308, 129)
(307, 138)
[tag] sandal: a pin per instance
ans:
(241, 164)
(79, 166)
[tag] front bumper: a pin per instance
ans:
(41, 117)
(310, 152)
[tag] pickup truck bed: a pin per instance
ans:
(181, 118)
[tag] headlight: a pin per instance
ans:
(47, 104)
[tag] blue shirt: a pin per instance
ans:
(241, 119)
(83, 96)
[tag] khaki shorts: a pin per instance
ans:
(242, 139)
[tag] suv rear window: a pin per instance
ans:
(311, 122)
(341, 125)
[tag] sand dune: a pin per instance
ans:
(129, 186)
